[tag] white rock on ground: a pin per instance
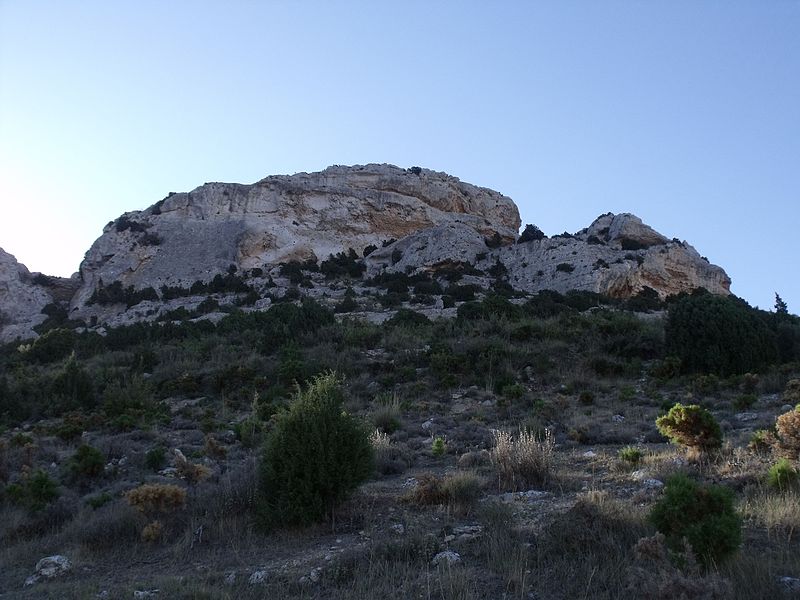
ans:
(49, 567)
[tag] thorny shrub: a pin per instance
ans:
(787, 435)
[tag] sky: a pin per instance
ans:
(685, 113)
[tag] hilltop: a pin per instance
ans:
(321, 234)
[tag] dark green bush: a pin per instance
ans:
(691, 426)
(154, 458)
(704, 515)
(72, 388)
(53, 345)
(565, 267)
(407, 318)
(87, 462)
(34, 492)
(314, 457)
(531, 234)
(715, 334)
(343, 264)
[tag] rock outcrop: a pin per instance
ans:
(21, 299)
(179, 256)
(617, 256)
(193, 236)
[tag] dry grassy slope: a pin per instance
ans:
(572, 538)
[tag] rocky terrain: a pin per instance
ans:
(502, 393)
(381, 218)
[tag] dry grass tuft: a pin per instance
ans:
(153, 532)
(522, 461)
(157, 498)
(214, 449)
(191, 472)
(779, 514)
(459, 492)
(654, 577)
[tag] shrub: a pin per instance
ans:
(715, 334)
(782, 474)
(153, 531)
(87, 462)
(513, 391)
(586, 397)
(53, 345)
(153, 498)
(791, 395)
(703, 515)
(438, 447)
(631, 455)
(744, 401)
(315, 456)
(761, 440)
(99, 500)
(72, 387)
(192, 472)
(655, 577)
(565, 267)
(787, 434)
(523, 461)
(34, 492)
(154, 458)
(690, 426)
(214, 449)
(531, 233)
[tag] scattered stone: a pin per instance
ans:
(410, 482)
(617, 418)
(786, 408)
(102, 595)
(258, 577)
(170, 472)
(466, 532)
(653, 483)
(428, 425)
(398, 528)
(230, 578)
(141, 594)
(48, 568)
(589, 454)
(790, 584)
(746, 416)
(532, 495)
(448, 556)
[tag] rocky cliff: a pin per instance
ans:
(225, 244)
(617, 256)
(22, 299)
(193, 236)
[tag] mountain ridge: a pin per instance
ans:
(234, 239)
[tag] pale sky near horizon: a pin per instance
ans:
(686, 113)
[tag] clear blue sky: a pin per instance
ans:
(684, 113)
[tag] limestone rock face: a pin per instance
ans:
(427, 249)
(617, 256)
(21, 300)
(193, 236)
